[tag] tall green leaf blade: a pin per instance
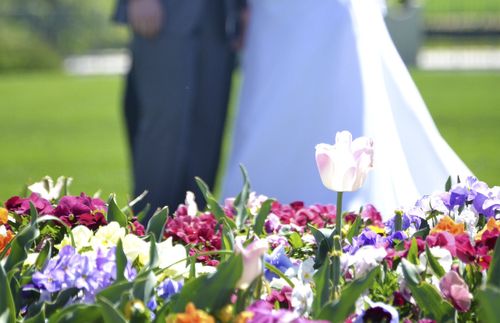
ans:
(114, 292)
(143, 286)
(323, 287)
(39, 318)
(156, 224)
(109, 312)
(260, 219)
(7, 306)
(354, 229)
(241, 201)
(435, 265)
(488, 308)
(77, 313)
(341, 308)
(20, 245)
(213, 291)
(115, 213)
(427, 297)
(212, 204)
(43, 256)
(413, 252)
(121, 262)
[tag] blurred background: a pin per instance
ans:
(61, 77)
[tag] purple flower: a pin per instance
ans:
(408, 219)
(22, 205)
(279, 260)
(487, 201)
(265, 313)
(456, 290)
(168, 288)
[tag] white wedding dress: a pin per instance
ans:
(312, 68)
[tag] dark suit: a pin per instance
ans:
(177, 96)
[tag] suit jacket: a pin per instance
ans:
(183, 15)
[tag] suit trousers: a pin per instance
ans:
(181, 81)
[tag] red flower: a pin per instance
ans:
(22, 205)
(370, 213)
(75, 210)
(443, 239)
(465, 250)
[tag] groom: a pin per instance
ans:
(177, 93)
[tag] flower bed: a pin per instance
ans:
(77, 258)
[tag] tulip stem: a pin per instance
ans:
(338, 219)
(337, 247)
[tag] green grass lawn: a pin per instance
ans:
(56, 125)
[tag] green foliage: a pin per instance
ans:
(427, 297)
(115, 213)
(260, 219)
(218, 287)
(434, 264)
(156, 225)
(338, 310)
(323, 286)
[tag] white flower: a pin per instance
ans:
(443, 256)
(169, 255)
(469, 217)
(366, 258)
(255, 202)
(31, 259)
(47, 189)
(306, 270)
(302, 298)
(107, 236)
(81, 235)
(136, 248)
(3, 230)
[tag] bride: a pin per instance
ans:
(312, 68)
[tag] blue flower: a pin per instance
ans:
(378, 312)
(169, 287)
(279, 260)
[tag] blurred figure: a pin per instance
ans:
(177, 92)
(313, 69)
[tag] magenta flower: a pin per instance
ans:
(20, 205)
(456, 291)
(74, 210)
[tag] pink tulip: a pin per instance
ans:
(343, 167)
(253, 265)
(456, 290)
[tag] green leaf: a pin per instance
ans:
(156, 224)
(7, 306)
(398, 221)
(114, 292)
(488, 308)
(115, 213)
(280, 274)
(19, 247)
(33, 213)
(354, 229)
(427, 297)
(413, 252)
(340, 309)
(241, 201)
(494, 270)
(435, 265)
(109, 312)
(121, 262)
(77, 313)
(143, 286)
(38, 318)
(295, 240)
(43, 256)
(211, 292)
(260, 219)
(447, 186)
(324, 244)
(142, 214)
(323, 287)
(213, 206)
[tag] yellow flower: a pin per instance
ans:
(490, 226)
(377, 230)
(244, 317)
(4, 215)
(192, 315)
(447, 224)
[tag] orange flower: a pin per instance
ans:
(447, 224)
(5, 239)
(490, 226)
(192, 315)
(4, 215)
(244, 317)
